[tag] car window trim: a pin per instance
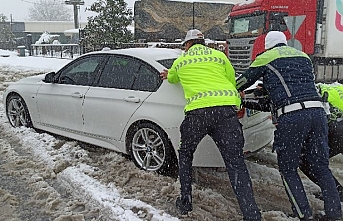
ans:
(142, 62)
(96, 71)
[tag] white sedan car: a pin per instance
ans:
(115, 99)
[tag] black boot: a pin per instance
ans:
(184, 205)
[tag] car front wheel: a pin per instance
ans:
(151, 150)
(17, 112)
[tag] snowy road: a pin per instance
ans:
(45, 177)
(30, 191)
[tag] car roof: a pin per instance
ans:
(145, 53)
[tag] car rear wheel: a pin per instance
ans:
(151, 150)
(17, 113)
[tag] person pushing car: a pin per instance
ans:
(208, 81)
(302, 130)
(333, 95)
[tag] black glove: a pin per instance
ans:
(325, 96)
(260, 104)
(260, 91)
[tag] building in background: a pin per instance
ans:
(37, 28)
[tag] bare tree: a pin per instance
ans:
(50, 10)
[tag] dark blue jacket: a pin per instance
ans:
(287, 76)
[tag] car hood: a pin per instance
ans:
(32, 79)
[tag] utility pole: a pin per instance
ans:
(11, 23)
(193, 12)
(75, 3)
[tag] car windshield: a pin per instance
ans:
(167, 62)
(247, 26)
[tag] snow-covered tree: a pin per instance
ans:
(6, 35)
(50, 10)
(47, 38)
(111, 23)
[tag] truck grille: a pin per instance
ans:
(239, 53)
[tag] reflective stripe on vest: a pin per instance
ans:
(282, 80)
(199, 60)
(213, 94)
(340, 92)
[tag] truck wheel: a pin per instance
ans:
(151, 150)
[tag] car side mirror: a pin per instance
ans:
(49, 77)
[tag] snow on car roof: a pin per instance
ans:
(146, 53)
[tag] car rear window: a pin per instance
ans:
(167, 62)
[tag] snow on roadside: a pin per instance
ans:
(84, 186)
(26, 63)
(109, 198)
(67, 159)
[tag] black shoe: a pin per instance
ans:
(323, 217)
(184, 206)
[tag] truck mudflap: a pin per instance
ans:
(328, 70)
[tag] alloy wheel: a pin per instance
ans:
(16, 112)
(148, 149)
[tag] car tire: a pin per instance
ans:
(17, 113)
(151, 150)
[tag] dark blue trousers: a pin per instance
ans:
(221, 123)
(302, 137)
(336, 137)
(336, 147)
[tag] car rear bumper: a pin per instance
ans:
(207, 154)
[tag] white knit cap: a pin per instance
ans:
(193, 34)
(273, 38)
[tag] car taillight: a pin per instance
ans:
(240, 113)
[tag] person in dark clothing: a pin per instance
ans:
(333, 95)
(208, 80)
(261, 102)
(301, 133)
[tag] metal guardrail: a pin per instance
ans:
(55, 50)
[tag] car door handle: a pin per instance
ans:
(132, 99)
(77, 94)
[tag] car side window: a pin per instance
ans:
(147, 79)
(119, 72)
(81, 72)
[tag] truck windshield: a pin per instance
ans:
(247, 26)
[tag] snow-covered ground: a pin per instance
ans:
(69, 180)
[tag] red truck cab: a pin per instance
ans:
(250, 21)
